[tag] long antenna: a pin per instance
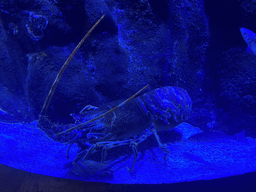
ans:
(102, 115)
(57, 79)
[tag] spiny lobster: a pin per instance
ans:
(158, 110)
(120, 123)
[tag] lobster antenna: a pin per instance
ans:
(102, 115)
(57, 79)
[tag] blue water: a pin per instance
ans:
(194, 45)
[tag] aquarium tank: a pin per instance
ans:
(128, 91)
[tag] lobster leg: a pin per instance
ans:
(162, 146)
(112, 144)
(135, 152)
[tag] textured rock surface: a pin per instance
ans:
(138, 43)
(134, 45)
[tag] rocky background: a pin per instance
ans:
(193, 44)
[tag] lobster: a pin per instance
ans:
(119, 123)
(158, 110)
(129, 124)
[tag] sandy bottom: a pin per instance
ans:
(25, 147)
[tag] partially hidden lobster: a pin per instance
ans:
(119, 123)
(158, 110)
